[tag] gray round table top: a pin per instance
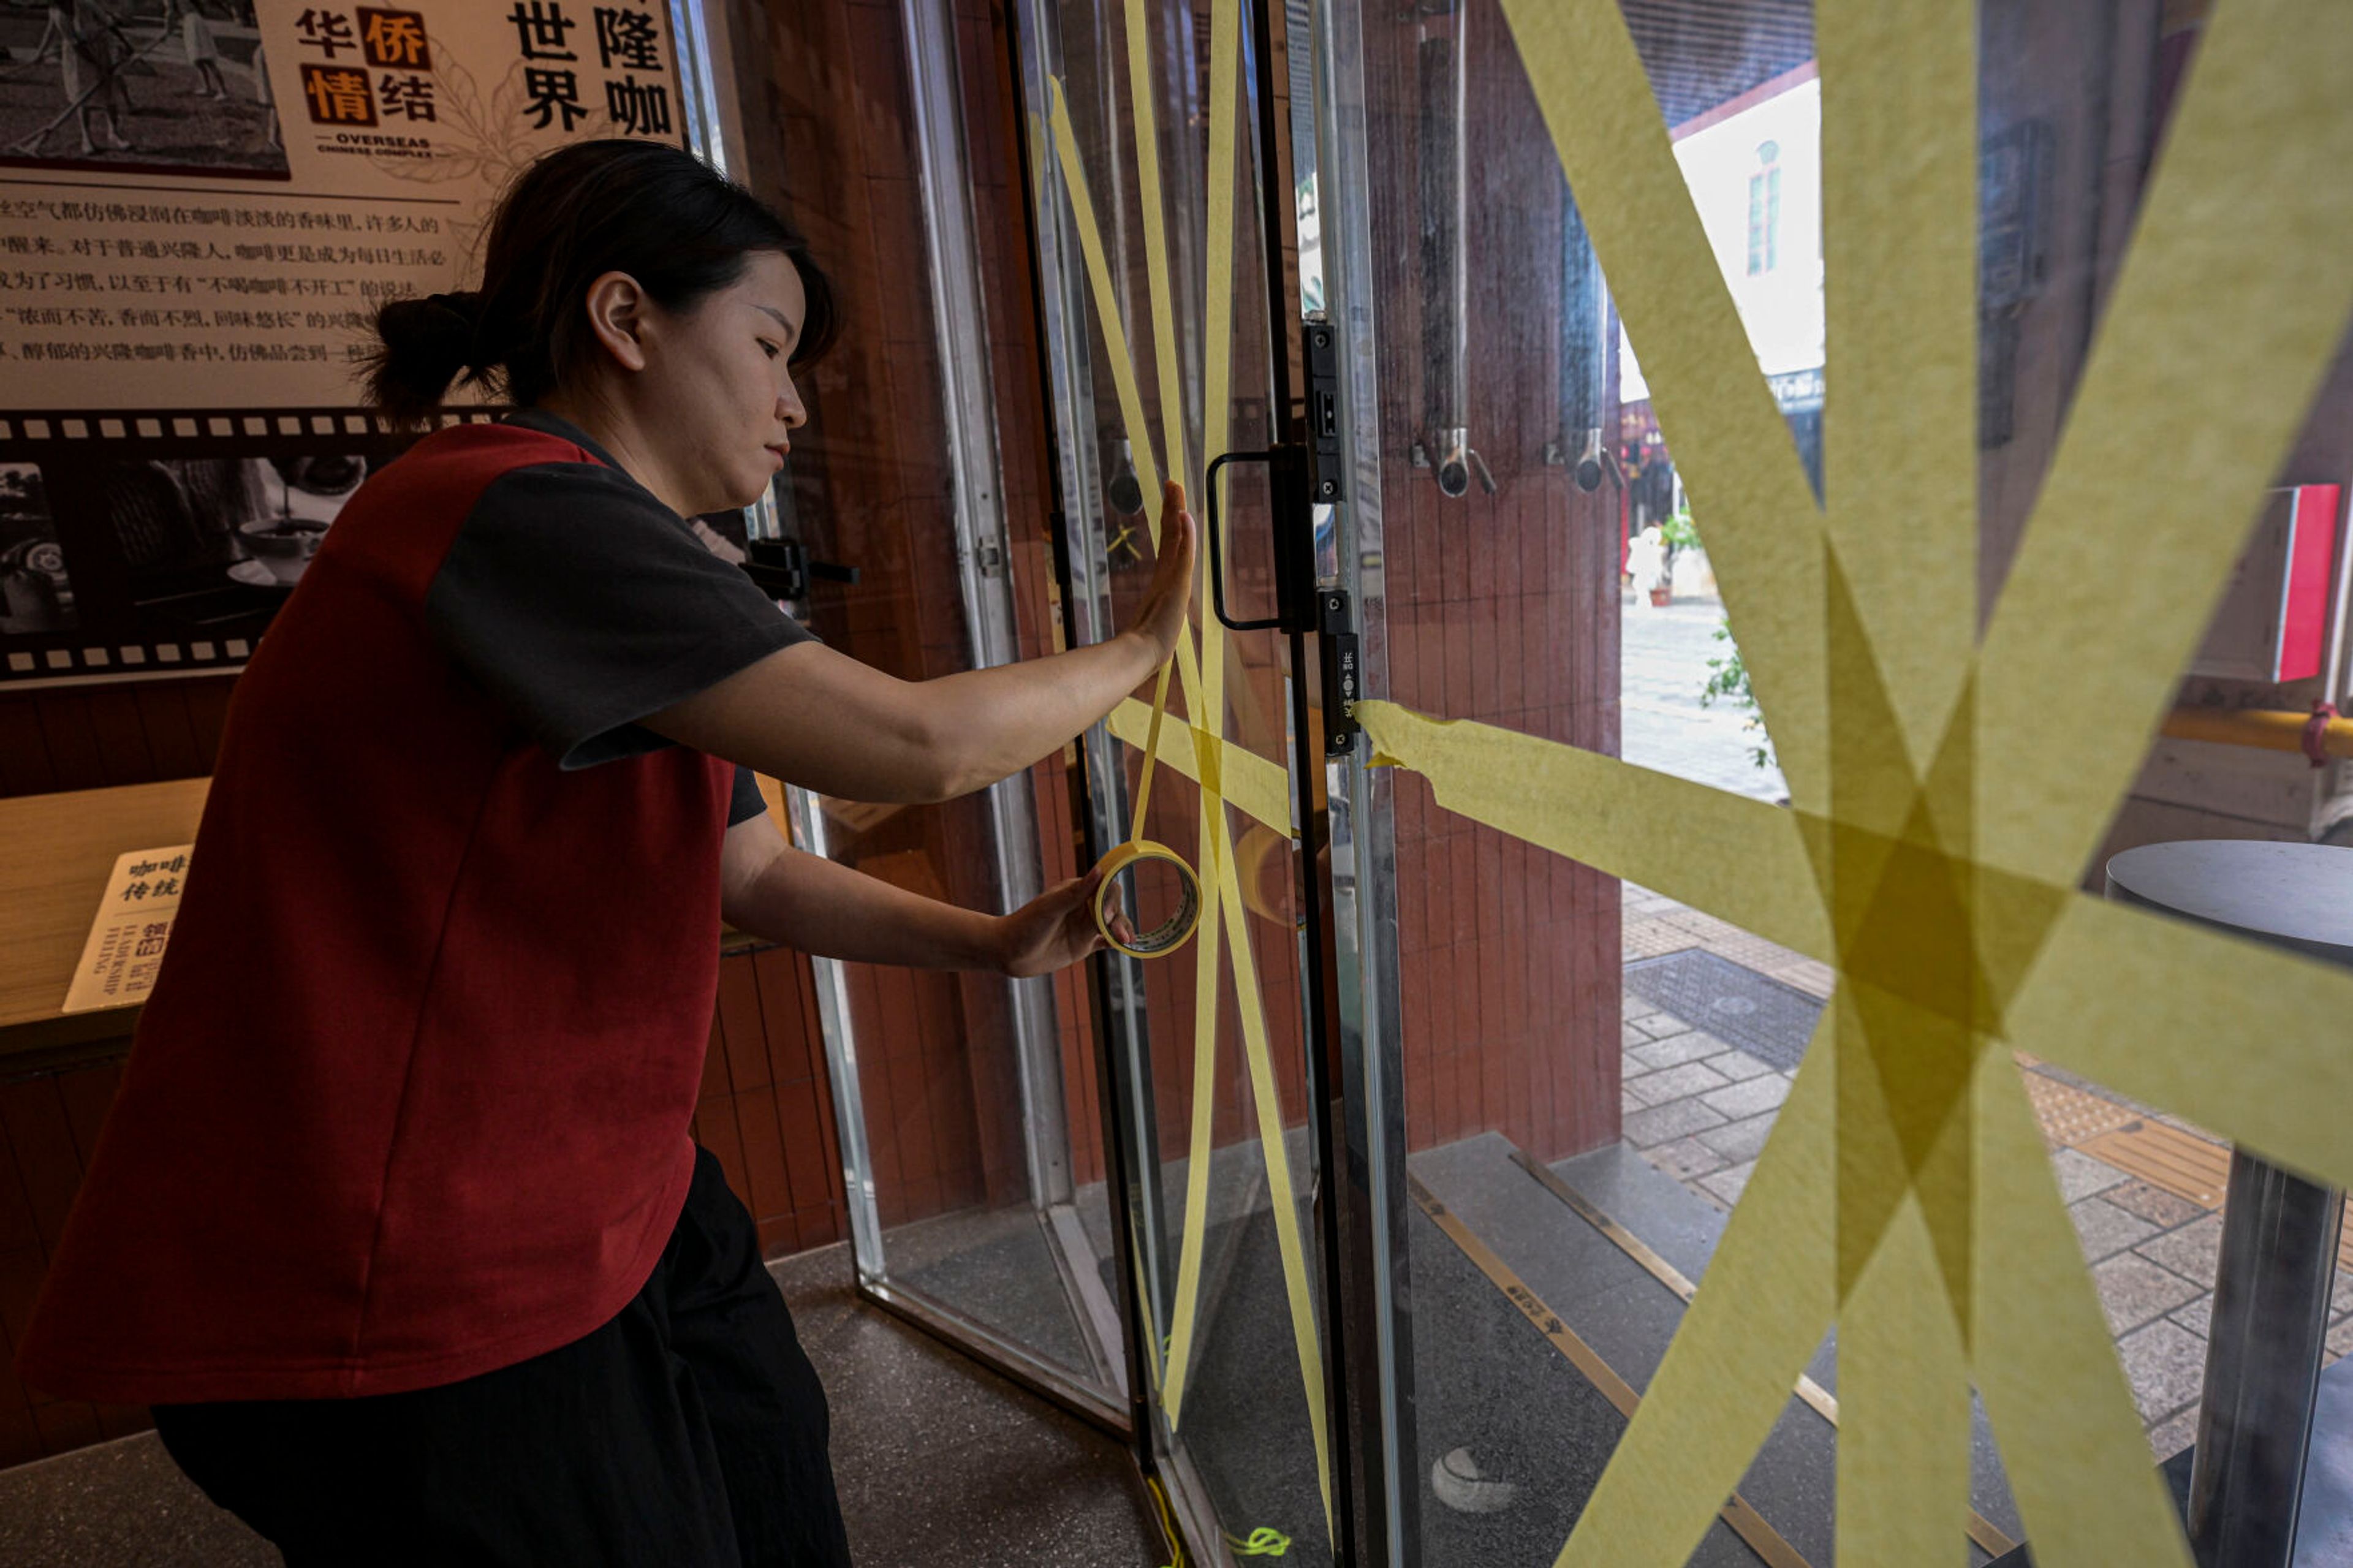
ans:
(2292, 895)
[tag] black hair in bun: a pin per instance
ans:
(656, 212)
(424, 345)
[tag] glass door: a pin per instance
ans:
(1158, 146)
(1780, 568)
(963, 1103)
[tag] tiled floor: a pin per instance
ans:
(939, 1463)
(2144, 1189)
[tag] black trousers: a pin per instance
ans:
(689, 1432)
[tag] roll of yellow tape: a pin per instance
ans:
(1169, 934)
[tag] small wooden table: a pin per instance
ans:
(60, 851)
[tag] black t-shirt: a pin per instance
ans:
(584, 604)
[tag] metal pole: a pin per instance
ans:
(2262, 1365)
(2270, 1318)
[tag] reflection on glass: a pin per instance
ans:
(977, 1130)
(1169, 361)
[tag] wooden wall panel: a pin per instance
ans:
(1503, 609)
(91, 737)
(835, 151)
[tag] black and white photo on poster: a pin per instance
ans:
(185, 528)
(175, 87)
(36, 592)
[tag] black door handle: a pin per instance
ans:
(1272, 457)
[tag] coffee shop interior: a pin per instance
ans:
(1760, 751)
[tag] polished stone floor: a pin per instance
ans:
(938, 1461)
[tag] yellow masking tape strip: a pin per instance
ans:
(1748, 493)
(1899, 151)
(1115, 351)
(1734, 856)
(1902, 1495)
(1193, 1236)
(2242, 240)
(1904, 1486)
(1151, 751)
(1218, 284)
(1980, 1530)
(1259, 787)
(1202, 745)
(2246, 1039)
(1145, 138)
(1769, 1293)
(1269, 1103)
(2046, 1364)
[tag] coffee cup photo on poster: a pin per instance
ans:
(187, 526)
(177, 87)
(36, 594)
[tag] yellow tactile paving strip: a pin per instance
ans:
(2070, 1116)
(2165, 1156)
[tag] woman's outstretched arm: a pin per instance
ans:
(818, 719)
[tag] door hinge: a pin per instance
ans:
(1336, 640)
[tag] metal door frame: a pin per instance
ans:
(711, 120)
(1346, 888)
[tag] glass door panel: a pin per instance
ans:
(1609, 1013)
(1153, 278)
(963, 1100)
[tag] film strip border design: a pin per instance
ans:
(78, 612)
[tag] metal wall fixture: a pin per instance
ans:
(1444, 64)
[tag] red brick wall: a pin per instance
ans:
(1503, 609)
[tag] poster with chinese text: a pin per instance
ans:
(202, 204)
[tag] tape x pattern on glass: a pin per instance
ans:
(1948, 785)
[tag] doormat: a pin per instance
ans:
(1771, 1021)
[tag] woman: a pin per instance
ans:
(395, 1220)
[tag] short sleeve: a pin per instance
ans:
(748, 802)
(584, 604)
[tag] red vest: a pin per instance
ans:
(410, 1100)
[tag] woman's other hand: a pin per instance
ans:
(1161, 618)
(1053, 930)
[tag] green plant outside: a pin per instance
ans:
(1729, 681)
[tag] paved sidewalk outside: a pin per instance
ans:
(1662, 669)
(2144, 1189)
